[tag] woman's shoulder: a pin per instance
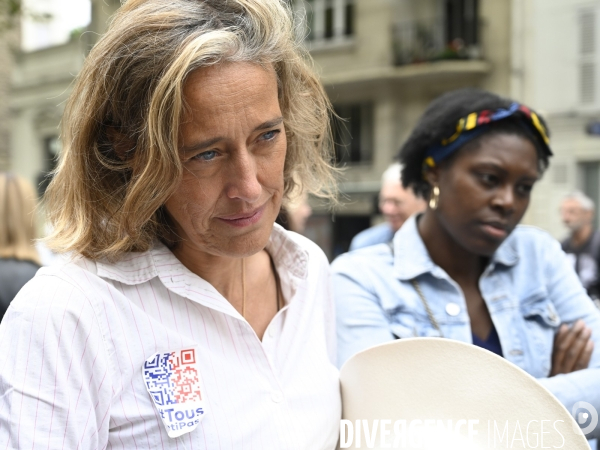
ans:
(67, 279)
(533, 238)
(363, 260)
(530, 247)
(66, 292)
(70, 270)
(533, 232)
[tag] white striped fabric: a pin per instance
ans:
(74, 340)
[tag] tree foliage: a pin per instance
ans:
(11, 12)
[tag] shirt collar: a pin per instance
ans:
(411, 257)
(287, 254)
(290, 259)
(507, 253)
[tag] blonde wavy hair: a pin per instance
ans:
(120, 129)
(17, 218)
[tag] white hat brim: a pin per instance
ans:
(431, 379)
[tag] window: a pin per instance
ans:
(354, 134)
(587, 56)
(328, 20)
(589, 183)
(462, 22)
(344, 229)
(51, 149)
(451, 33)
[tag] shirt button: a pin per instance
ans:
(276, 396)
(452, 309)
(271, 332)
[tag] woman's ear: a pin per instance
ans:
(431, 175)
(121, 144)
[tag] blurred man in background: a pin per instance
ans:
(396, 204)
(583, 244)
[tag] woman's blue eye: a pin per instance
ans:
(270, 135)
(206, 156)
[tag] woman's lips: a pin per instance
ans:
(243, 219)
(495, 231)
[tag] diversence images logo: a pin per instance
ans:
(464, 434)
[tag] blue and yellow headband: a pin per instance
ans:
(475, 124)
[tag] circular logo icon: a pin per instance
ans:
(584, 413)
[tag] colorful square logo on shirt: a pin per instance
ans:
(173, 382)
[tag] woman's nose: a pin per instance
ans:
(505, 198)
(243, 183)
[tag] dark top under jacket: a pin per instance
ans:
(492, 343)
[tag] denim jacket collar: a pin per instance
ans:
(411, 257)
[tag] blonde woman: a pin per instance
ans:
(188, 320)
(19, 261)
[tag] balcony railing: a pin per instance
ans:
(428, 40)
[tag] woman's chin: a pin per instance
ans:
(246, 244)
(485, 248)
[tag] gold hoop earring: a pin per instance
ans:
(435, 198)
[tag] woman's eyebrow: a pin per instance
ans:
(499, 168)
(490, 165)
(212, 141)
(269, 124)
(201, 145)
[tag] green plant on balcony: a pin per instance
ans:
(415, 42)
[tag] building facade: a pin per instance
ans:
(8, 41)
(382, 62)
(555, 61)
(39, 86)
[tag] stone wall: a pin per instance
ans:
(8, 41)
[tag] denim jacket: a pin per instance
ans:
(529, 287)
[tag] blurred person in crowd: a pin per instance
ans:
(19, 260)
(396, 203)
(583, 244)
(464, 269)
(186, 318)
(294, 214)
